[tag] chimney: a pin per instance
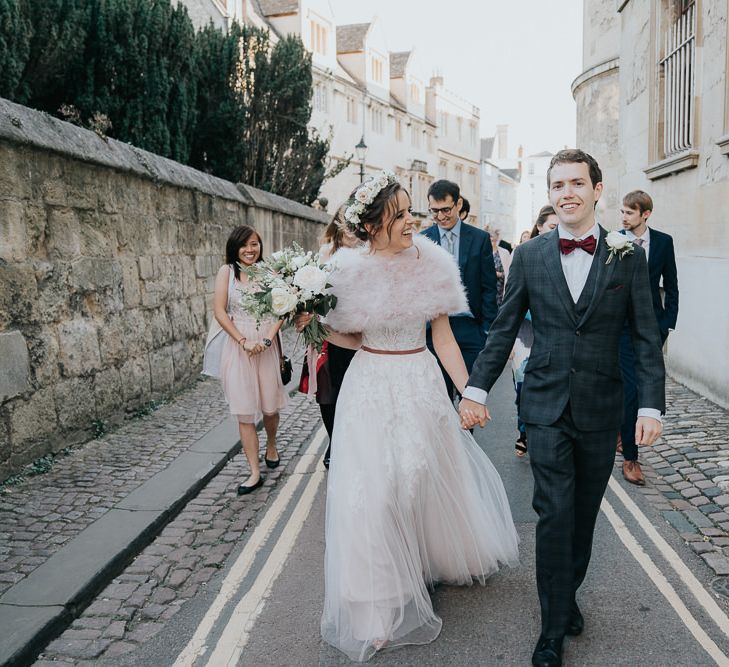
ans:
(502, 139)
(520, 157)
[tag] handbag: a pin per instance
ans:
(287, 368)
(214, 342)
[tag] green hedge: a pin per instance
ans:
(136, 70)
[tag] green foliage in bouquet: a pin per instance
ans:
(289, 282)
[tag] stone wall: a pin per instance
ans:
(107, 263)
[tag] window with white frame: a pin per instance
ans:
(474, 134)
(377, 69)
(460, 128)
(429, 140)
(352, 110)
(415, 135)
(443, 169)
(472, 182)
(318, 38)
(678, 70)
(321, 98)
(377, 120)
(398, 129)
(444, 123)
(415, 93)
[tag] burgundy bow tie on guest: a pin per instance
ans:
(568, 245)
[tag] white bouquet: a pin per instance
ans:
(291, 281)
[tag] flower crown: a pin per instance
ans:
(363, 196)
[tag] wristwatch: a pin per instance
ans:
(267, 342)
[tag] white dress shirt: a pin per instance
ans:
(646, 240)
(576, 267)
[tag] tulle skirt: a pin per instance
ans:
(252, 384)
(412, 501)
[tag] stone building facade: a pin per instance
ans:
(653, 108)
(410, 122)
(107, 262)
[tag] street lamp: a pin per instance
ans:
(361, 149)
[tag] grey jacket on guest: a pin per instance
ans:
(574, 358)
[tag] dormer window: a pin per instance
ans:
(377, 70)
(318, 38)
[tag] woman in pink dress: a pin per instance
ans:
(250, 361)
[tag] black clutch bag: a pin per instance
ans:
(287, 368)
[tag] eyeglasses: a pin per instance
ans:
(446, 210)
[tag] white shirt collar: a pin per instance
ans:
(564, 234)
(456, 230)
(646, 235)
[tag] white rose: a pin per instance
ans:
(311, 279)
(282, 301)
(617, 241)
(300, 261)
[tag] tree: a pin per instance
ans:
(14, 46)
(218, 146)
(57, 33)
(282, 154)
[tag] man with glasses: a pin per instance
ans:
(471, 248)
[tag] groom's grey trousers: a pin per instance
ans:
(571, 469)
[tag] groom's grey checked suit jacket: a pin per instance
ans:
(574, 358)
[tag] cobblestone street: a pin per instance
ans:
(687, 473)
(185, 556)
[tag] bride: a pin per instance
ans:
(411, 500)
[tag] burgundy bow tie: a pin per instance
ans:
(568, 245)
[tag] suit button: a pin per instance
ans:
(578, 332)
(572, 370)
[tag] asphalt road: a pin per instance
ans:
(646, 600)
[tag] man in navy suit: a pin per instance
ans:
(472, 249)
(658, 247)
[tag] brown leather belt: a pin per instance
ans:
(373, 351)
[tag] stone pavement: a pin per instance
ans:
(687, 474)
(44, 512)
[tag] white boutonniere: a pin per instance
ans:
(618, 245)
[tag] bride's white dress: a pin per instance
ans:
(412, 500)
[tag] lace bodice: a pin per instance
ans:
(403, 336)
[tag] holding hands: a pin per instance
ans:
(473, 413)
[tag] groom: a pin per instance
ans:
(571, 399)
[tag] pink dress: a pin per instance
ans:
(252, 384)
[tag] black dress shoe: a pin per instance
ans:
(576, 624)
(272, 463)
(244, 490)
(548, 653)
(326, 462)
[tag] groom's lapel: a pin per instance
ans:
(550, 254)
(604, 273)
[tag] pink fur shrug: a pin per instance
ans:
(376, 290)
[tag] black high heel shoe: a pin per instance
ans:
(245, 490)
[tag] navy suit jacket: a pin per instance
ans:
(662, 264)
(478, 273)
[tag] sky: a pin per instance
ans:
(515, 60)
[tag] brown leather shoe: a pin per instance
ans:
(632, 473)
